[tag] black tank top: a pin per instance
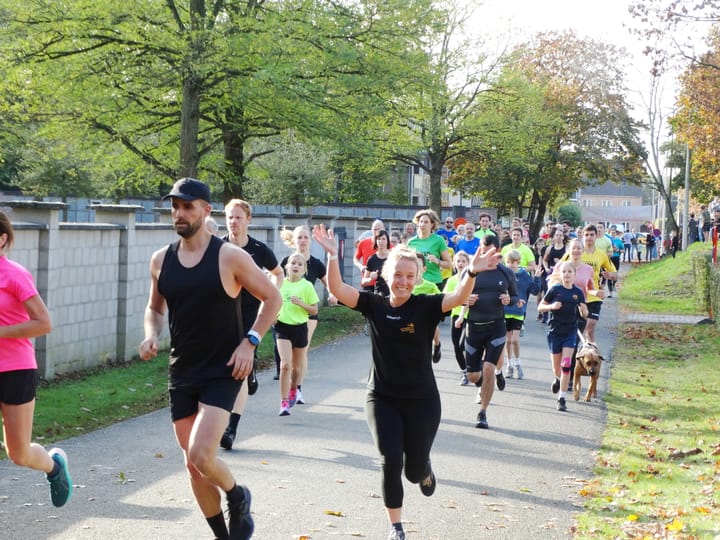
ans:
(203, 320)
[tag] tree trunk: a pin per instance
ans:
(436, 167)
(234, 172)
(189, 127)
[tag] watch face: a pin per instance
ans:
(254, 340)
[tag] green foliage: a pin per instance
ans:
(166, 88)
(555, 117)
(571, 213)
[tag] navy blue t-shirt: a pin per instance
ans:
(564, 321)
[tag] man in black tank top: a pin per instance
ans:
(198, 280)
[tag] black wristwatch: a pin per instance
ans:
(254, 338)
(471, 273)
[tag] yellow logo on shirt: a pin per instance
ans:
(409, 329)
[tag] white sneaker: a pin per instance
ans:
(299, 398)
(510, 371)
(478, 399)
(520, 373)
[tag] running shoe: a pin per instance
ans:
(252, 381)
(555, 387)
(561, 406)
(464, 380)
(293, 397)
(510, 371)
(241, 524)
(500, 380)
(299, 398)
(284, 408)
(61, 486)
(482, 422)
(227, 440)
(427, 486)
(437, 350)
(520, 372)
(478, 398)
(396, 535)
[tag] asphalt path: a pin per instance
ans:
(316, 473)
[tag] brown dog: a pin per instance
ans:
(588, 362)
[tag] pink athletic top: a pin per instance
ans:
(16, 286)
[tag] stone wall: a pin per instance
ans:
(94, 277)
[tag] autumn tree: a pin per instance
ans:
(697, 119)
(556, 120)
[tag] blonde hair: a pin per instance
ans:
(396, 254)
(513, 255)
(232, 203)
(461, 255)
(288, 236)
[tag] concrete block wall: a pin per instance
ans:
(94, 277)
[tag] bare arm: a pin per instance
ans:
(155, 310)
(345, 293)
(479, 263)
(276, 276)
(39, 323)
(244, 273)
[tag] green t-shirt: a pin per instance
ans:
(432, 245)
(291, 313)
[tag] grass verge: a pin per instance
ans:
(658, 467)
(82, 402)
(662, 286)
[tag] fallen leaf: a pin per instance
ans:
(334, 513)
(675, 525)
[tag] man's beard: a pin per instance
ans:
(188, 230)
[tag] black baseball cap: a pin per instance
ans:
(189, 189)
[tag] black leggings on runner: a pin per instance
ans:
(400, 427)
(458, 340)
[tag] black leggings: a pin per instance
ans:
(400, 427)
(458, 340)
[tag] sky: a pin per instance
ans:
(598, 19)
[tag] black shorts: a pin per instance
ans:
(484, 342)
(297, 334)
(185, 396)
(18, 387)
(594, 310)
(513, 324)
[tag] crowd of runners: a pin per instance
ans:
(223, 295)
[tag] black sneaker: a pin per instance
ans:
(241, 524)
(555, 388)
(482, 422)
(396, 535)
(436, 353)
(227, 440)
(500, 380)
(252, 381)
(276, 377)
(561, 406)
(427, 486)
